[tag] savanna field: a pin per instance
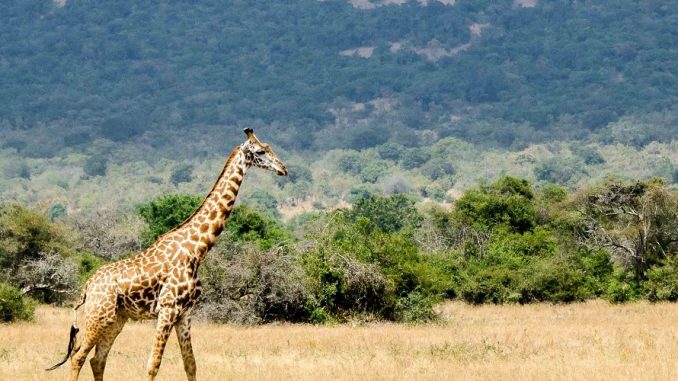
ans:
(588, 341)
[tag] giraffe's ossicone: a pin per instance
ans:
(162, 281)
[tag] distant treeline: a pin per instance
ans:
(133, 71)
(385, 257)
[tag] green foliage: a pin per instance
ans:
(414, 308)
(662, 281)
(13, 305)
(88, 264)
(247, 224)
(414, 158)
(166, 213)
(390, 151)
(56, 212)
(183, 173)
(557, 170)
(507, 202)
(26, 235)
(588, 154)
(264, 202)
(389, 214)
(438, 168)
(553, 193)
(95, 166)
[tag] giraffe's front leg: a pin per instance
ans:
(167, 317)
(183, 329)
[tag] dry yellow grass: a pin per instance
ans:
(591, 341)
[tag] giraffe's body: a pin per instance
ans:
(161, 282)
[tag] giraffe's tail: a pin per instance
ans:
(74, 331)
(71, 344)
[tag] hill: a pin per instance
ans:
(117, 102)
(137, 70)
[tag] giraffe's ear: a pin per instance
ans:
(250, 135)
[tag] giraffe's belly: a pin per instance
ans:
(139, 305)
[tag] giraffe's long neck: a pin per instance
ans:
(203, 228)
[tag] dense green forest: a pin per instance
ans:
(505, 152)
(488, 72)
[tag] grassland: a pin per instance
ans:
(591, 341)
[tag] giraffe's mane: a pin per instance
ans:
(229, 160)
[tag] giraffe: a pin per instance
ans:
(161, 282)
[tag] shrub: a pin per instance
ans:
(165, 213)
(182, 173)
(108, 234)
(28, 236)
(13, 305)
(415, 307)
(662, 281)
(247, 285)
(557, 170)
(414, 158)
(95, 166)
(622, 288)
(507, 202)
(248, 224)
(50, 279)
(389, 214)
(264, 202)
(438, 168)
(390, 151)
(589, 154)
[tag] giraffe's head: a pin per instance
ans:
(261, 155)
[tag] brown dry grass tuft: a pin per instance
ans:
(591, 341)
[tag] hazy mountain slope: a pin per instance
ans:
(122, 70)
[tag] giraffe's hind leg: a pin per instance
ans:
(103, 346)
(101, 314)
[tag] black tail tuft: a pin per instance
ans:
(71, 344)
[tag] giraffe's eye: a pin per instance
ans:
(260, 152)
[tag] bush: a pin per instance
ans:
(165, 213)
(414, 158)
(415, 307)
(13, 305)
(182, 173)
(50, 279)
(662, 281)
(557, 170)
(95, 166)
(622, 288)
(108, 234)
(389, 214)
(508, 202)
(248, 224)
(438, 168)
(390, 151)
(247, 285)
(589, 154)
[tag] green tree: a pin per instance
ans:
(248, 224)
(388, 214)
(95, 166)
(636, 222)
(14, 305)
(166, 213)
(182, 173)
(507, 202)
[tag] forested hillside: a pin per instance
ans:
(496, 73)
(118, 102)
